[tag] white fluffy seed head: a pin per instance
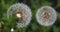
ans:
(26, 14)
(46, 16)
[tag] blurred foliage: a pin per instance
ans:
(7, 24)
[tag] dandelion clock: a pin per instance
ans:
(46, 16)
(22, 12)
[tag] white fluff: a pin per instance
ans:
(52, 16)
(25, 9)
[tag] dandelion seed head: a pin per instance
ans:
(46, 16)
(21, 11)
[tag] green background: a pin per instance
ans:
(7, 24)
